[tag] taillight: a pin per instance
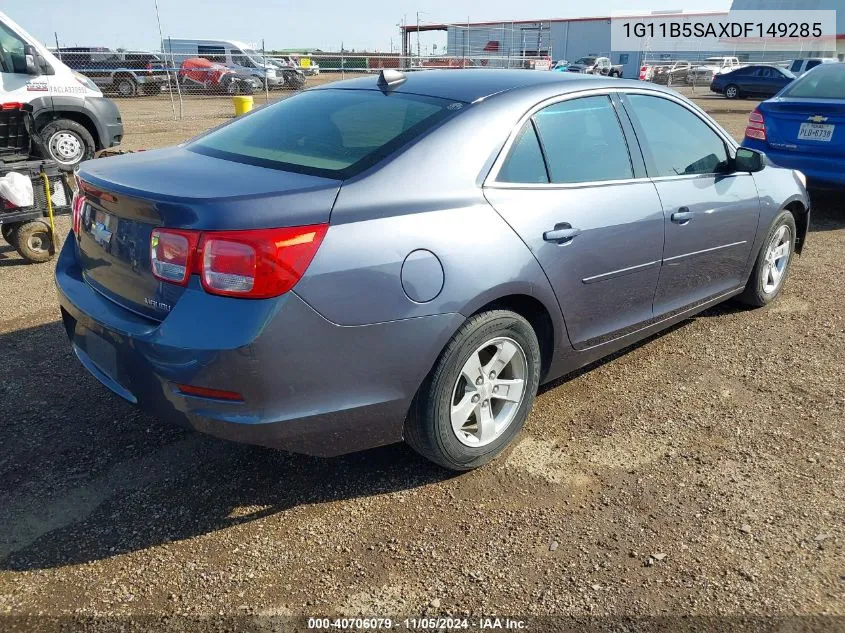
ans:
(76, 206)
(172, 253)
(256, 263)
(756, 126)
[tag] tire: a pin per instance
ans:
(731, 91)
(8, 232)
(33, 241)
(67, 142)
(429, 430)
(759, 290)
(126, 86)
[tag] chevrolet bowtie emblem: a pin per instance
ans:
(818, 119)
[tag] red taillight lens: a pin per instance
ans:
(756, 126)
(171, 254)
(76, 206)
(256, 264)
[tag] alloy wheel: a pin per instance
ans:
(777, 258)
(488, 392)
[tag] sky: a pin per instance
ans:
(325, 24)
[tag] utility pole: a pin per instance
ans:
(418, 34)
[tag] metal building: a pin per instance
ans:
(508, 44)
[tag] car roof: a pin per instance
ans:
(470, 85)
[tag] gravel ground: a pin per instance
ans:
(699, 473)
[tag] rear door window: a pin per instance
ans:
(583, 141)
(796, 66)
(525, 162)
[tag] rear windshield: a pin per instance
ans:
(333, 133)
(825, 82)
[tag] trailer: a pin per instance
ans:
(30, 230)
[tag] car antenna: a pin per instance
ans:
(390, 79)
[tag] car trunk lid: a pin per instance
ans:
(802, 125)
(126, 197)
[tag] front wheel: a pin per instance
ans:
(67, 142)
(479, 393)
(772, 265)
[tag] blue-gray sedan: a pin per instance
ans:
(399, 257)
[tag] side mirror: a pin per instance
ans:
(35, 64)
(748, 160)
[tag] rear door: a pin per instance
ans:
(710, 215)
(578, 199)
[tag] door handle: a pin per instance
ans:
(682, 215)
(562, 233)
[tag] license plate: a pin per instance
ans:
(102, 353)
(815, 132)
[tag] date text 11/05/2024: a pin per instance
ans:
(422, 623)
(791, 30)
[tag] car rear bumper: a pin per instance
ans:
(819, 171)
(308, 385)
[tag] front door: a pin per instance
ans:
(711, 215)
(567, 187)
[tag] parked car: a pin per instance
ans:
(72, 119)
(803, 126)
(668, 72)
(703, 73)
(306, 64)
(292, 76)
(199, 73)
(238, 56)
(128, 73)
(268, 282)
(799, 66)
(595, 66)
(671, 74)
(561, 65)
(751, 81)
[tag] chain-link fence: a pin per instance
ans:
(696, 70)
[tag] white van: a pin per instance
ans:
(72, 118)
(238, 56)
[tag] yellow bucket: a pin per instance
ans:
(243, 104)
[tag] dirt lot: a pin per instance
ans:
(700, 473)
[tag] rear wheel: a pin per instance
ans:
(731, 91)
(479, 394)
(772, 265)
(126, 86)
(33, 241)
